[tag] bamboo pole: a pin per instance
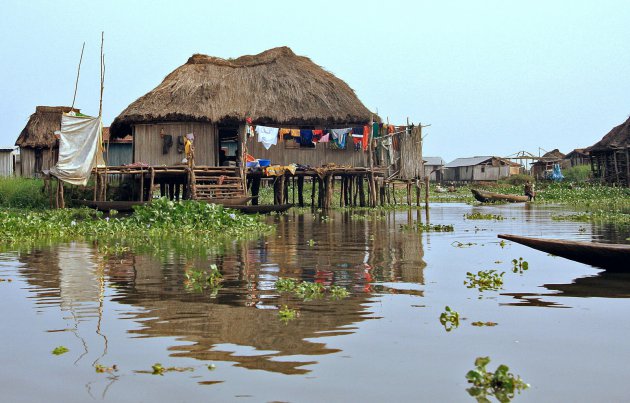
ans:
(371, 163)
(76, 83)
(151, 183)
(426, 196)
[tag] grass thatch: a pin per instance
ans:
(41, 126)
(273, 87)
(617, 138)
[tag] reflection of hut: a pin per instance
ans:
(213, 97)
(434, 168)
(8, 160)
(610, 157)
(579, 156)
(543, 167)
(484, 168)
(38, 146)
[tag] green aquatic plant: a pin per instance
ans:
(199, 280)
(458, 244)
(286, 284)
(449, 319)
(287, 314)
(307, 290)
(501, 383)
(519, 266)
(102, 368)
(60, 350)
(338, 292)
(418, 226)
(484, 280)
(192, 221)
(159, 369)
(311, 243)
(481, 216)
(481, 324)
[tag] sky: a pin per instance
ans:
(489, 77)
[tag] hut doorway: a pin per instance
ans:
(227, 147)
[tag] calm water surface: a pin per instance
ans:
(562, 325)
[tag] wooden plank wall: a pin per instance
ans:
(315, 157)
(27, 161)
(147, 143)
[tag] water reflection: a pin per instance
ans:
(604, 285)
(239, 324)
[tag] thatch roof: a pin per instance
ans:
(273, 87)
(617, 138)
(41, 126)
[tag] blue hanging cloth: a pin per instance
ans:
(556, 175)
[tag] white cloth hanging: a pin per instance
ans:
(268, 136)
(80, 148)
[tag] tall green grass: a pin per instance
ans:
(22, 193)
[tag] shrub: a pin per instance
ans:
(578, 173)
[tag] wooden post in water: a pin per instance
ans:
(313, 178)
(255, 189)
(408, 193)
(152, 182)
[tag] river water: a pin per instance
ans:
(561, 325)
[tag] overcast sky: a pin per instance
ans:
(491, 77)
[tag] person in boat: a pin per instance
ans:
(529, 190)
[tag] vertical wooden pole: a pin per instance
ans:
(371, 163)
(417, 193)
(255, 189)
(360, 190)
(300, 184)
(151, 183)
(313, 192)
(409, 193)
(426, 196)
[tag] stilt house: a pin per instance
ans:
(610, 157)
(214, 98)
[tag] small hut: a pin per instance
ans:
(434, 168)
(483, 168)
(7, 161)
(578, 156)
(117, 151)
(542, 168)
(610, 157)
(213, 97)
(38, 146)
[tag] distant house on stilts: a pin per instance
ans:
(610, 157)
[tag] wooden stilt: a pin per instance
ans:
(300, 184)
(151, 183)
(426, 197)
(360, 191)
(255, 189)
(142, 185)
(313, 192)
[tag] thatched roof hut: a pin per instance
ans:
(610, 157)
(618, 138)
(38, 146)
(273, 87)
(41, 126)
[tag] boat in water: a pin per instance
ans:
(486, 197)
(604, 255)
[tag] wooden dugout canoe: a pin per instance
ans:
(262, 208)
(607, 256)
(486, 197)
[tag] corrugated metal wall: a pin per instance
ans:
(147, 143)
(119, 154)
(315, 157)
(6, 163)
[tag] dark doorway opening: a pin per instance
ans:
(228, 146)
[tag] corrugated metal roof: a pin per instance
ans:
(433, 161)
(467, 162)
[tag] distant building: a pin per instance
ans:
(579, 156)
(8, 161)
(484, 168)
(434, 168)
(611, 156)
(542, 168)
